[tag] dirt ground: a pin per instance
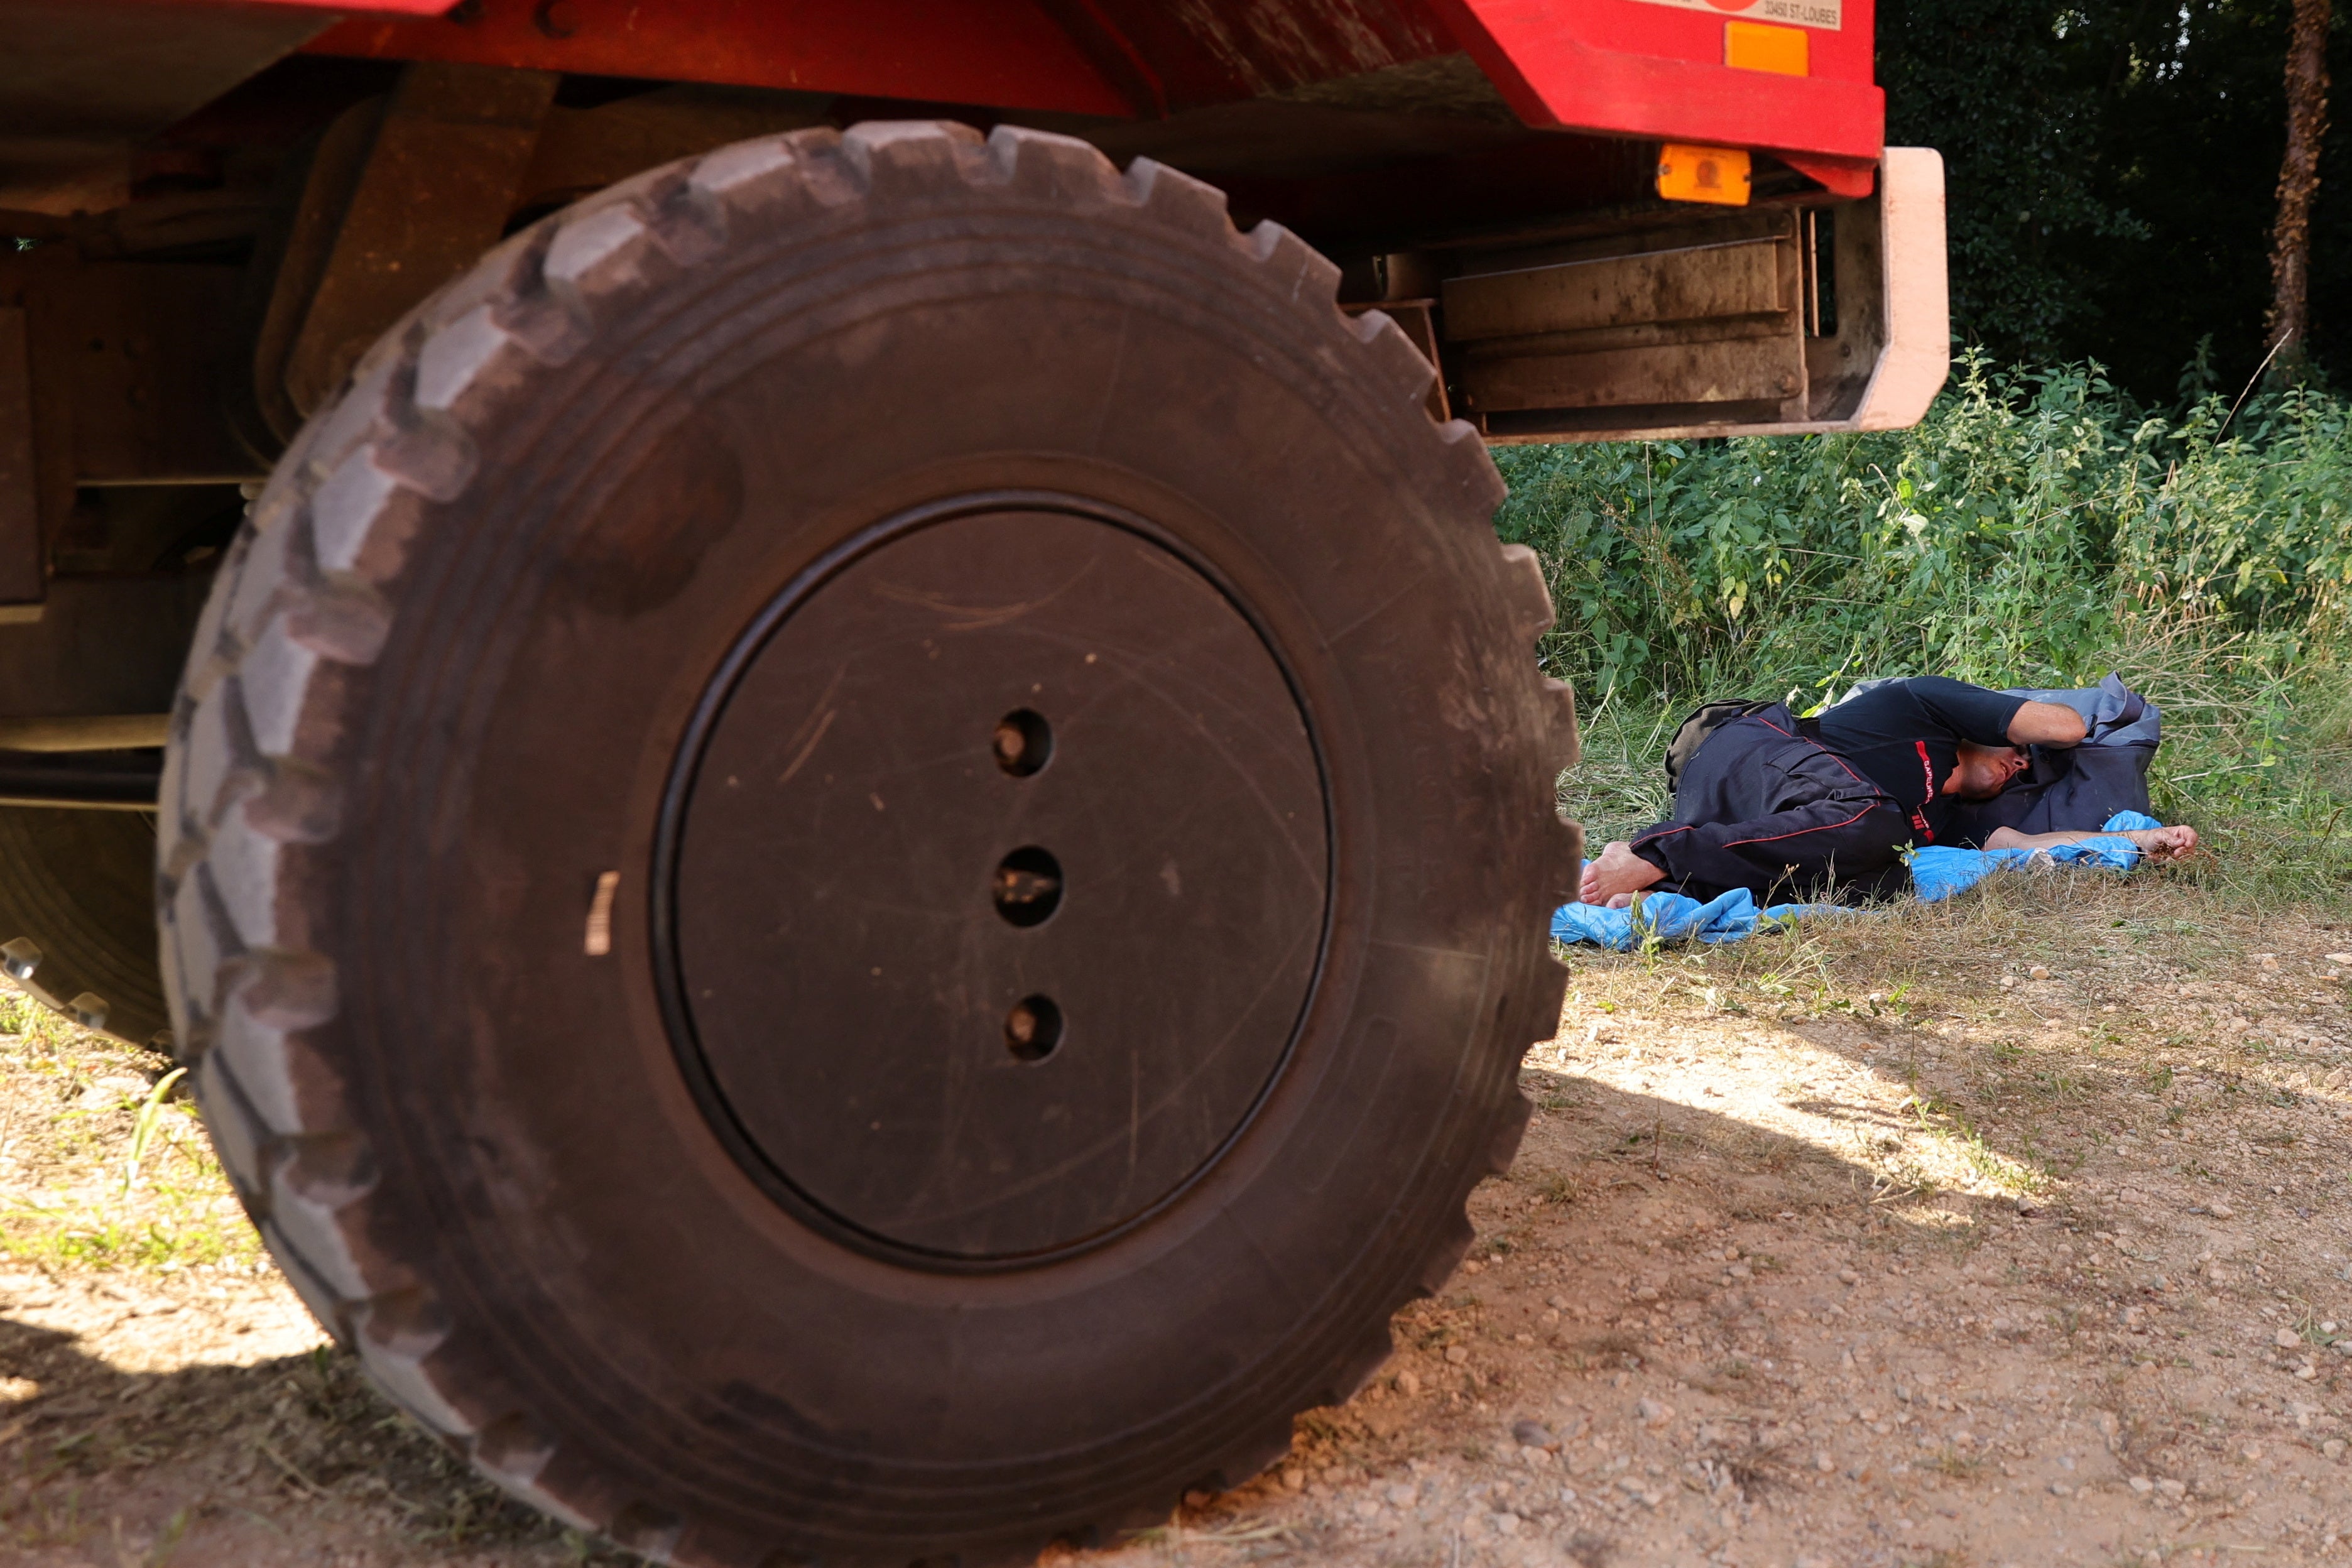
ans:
(2012, 1232)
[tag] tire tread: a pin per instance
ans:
(306, 598)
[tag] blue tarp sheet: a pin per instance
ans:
(1937, 873)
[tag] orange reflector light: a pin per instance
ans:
(1758, 46)
(1717, 174)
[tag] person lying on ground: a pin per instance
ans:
(1826, 808)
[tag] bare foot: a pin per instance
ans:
(2163, 842)
(1618, 874)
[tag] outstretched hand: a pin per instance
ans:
(2156, 843)
(2164, 843)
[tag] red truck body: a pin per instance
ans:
(1625, 67)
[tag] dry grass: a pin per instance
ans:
(103, 1163)
(164, 1397)
(2158, 1012)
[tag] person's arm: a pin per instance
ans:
(2156, 843)
(2047, 724)
(1983, 717)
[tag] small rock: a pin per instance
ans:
(1824, 1464)
(1368, 1508)
(1456, 1354)
(1404, 1494)
(1473, 1268)
(2286, 1339)
(2267, 960)
(2333, 1448)
(1848, 1277)
(2027, 1206)
(2008, 981)
(2339, 958)
(2142, 1485)
(2221, 1211)
(1294, 1480)
(2172, 1489)
(1558, 1303)
(2039, 972)
(1506, 1524)
(1408, 1383)
(2251, 1452)
(2059, 1489)
(1646, 1293)
(1533, 1435)
(1653, 1412)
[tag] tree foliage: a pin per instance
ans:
(2113, 168)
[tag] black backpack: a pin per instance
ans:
(1705, 720)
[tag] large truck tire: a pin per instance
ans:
(857, 860)
(78, 917)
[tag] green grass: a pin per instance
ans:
(2034, 529)
(107, 1165)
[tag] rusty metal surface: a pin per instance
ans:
(116, 781)
(20, 506)
(118, 384)
(1005, 53)
(1863, 305)
(1418, 320)
(135, 348)
(123, 356)
(1198, 52)
(102, 645)
(584, 150)
(1735, 277)
(439, 181)
(95, 732)
(83, 81)
(1704, 315)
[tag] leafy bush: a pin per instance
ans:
(2036, 529)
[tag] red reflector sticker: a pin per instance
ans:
(1824, 13)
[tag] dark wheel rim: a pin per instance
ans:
(991, 882)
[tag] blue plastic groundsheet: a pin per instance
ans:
(1937, 873)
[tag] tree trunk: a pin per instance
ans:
(2306, 122)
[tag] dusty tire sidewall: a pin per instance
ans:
(610, 1270)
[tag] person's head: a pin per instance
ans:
(1983, 771)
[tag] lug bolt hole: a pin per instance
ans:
(1023, 742)
(1028, 886)
(1033, 1028)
